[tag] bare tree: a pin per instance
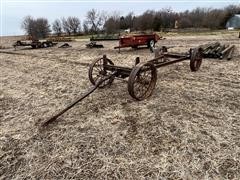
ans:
(57, 27)
(95, 20)
(207, 17)
(146, 20)
(66, 27)
(42, 27)
(36, 28)
(157, 21)
(127, 21)
(74, 24)
(85, 27)
(112, 24)
(28, 25)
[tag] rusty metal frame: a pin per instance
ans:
(150, 66)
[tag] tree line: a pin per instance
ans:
(168, 19)
(96, 21)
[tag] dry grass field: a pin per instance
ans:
(188, 129)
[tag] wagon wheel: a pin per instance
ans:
(151, 43)
(97, 70)
(196, 59)
(142, 81)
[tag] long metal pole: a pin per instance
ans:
(91, 90)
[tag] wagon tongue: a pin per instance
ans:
(86, 94)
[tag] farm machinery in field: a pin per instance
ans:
(94, 44)
(135, 41)
(35, 43)
(142, 76)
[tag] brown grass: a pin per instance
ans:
(188, 129)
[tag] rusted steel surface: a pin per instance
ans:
(171, 62)
(98, 71)
(141, 78)
(140, 72)
(142, 81)
(195, 59)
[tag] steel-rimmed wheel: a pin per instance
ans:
(142, 81)
(151, 44)
(196, 59)
(97, 71)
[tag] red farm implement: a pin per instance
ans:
(138, 40)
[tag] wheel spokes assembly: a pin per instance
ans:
(142, 81)
(97, 70)
(195, 59)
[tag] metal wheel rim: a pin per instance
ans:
(142, 83)
(152, 43)
(196, 60)
(97, 71)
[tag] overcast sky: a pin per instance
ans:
(13, 11)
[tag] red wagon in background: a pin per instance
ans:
(138, 40)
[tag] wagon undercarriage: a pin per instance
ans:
(141, 78)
